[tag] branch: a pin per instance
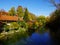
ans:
(57, 5)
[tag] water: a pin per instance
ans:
(36, 39)
(39, 39)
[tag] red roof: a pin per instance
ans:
(8, 18)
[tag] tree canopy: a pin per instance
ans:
(12, 11)
(20, 11)
(26, 16)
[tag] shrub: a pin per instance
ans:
(13, 36)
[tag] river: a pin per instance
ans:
(36, 39)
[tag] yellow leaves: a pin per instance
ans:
(36, 23)
(30, 18)
(40, 23)
(47, 19)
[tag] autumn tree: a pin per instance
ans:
(47, 18)
(12, 11)
(32, 16)
(26, 17)
(41, 19)
(56, 14)
(54, 24)
(20, 11)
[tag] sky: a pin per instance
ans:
(37, 7)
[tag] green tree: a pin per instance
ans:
(54, 16)
(41, 19)
(12, 11)
(20, 11)
(26, 17)
(32, 16)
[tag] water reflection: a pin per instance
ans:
(39, 39)
(36, 39)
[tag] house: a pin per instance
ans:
(5, 18)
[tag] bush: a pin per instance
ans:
(12, 26)
(23, 25)
(13, 36)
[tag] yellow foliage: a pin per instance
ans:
(47, 19)
(36, 23)
(40, 23)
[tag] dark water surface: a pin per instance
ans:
(36, 39)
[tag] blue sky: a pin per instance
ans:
(37, 7)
